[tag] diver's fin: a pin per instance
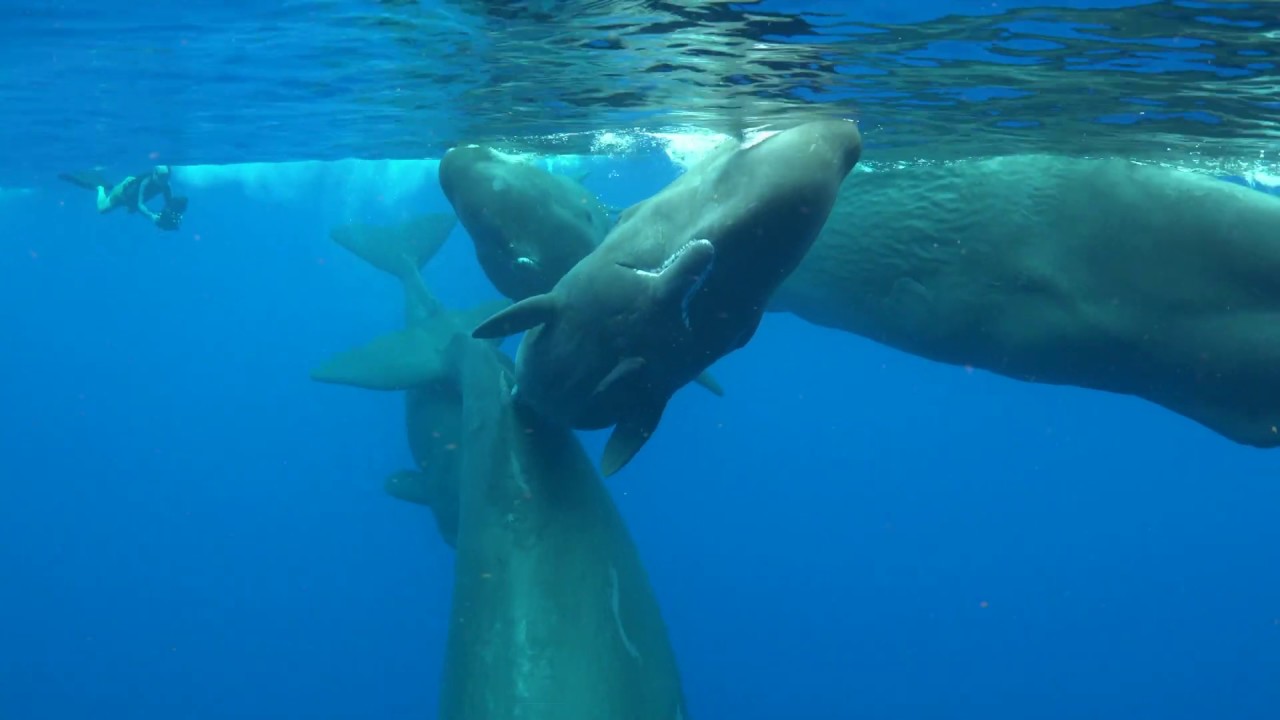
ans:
(528, 313)
(630, 434)
(87, 179)
(709, 382)
(395, 361)
(423, 489)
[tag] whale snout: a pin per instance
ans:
(843, 137)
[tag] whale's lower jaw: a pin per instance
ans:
(672, 259)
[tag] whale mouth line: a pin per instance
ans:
(698, 282)
(675, 256)
(668, 262)
(694, 286)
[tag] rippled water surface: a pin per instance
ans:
(205, 82)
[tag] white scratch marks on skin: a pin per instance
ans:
(521, 482)
(524, 660)
(617, 616)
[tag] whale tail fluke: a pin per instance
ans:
(401, 250)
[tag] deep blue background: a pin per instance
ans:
(190, 527)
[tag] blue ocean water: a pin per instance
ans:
(192, 528)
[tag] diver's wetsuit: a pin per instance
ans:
(134, 193)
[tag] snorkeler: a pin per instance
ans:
(134, 192)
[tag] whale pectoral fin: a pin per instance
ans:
(474, 316)
(630, 434)
(625, 367)
(709, 382)
(422, 489)
(410, 486)
(528, 313)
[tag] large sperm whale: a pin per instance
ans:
(528, 226)
(681, 281)
(1099, 273)
(553, 616)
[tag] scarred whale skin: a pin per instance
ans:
(1099, 273)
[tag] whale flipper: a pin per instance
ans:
(474, 316)
(708, 381)
(630, 434)
(535, 311)
(524, 315)
(438, 492)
